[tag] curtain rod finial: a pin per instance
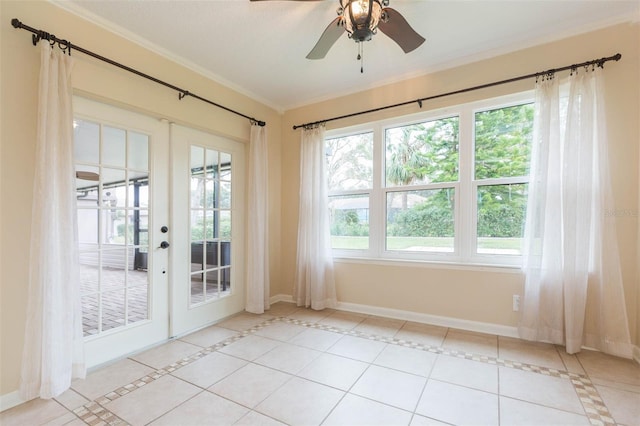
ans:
(16, 23)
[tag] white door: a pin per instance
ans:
(122, 184)
(207, 228)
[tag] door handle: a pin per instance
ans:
(164, 245)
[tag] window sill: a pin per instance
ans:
(431, 264)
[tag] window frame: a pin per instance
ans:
(353, 131)
(466, 187)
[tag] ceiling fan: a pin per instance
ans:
(361, 19)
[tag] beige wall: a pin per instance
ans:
(463, 293)
(470, 294)
(20, 64)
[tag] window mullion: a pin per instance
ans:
(503, 181)
(377, 201)
(466, 210)
(351, 192)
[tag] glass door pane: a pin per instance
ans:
(210, 224)
(112, 187)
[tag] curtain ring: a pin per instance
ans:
(65, 46)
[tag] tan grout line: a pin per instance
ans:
(593, 405)
(94, 412)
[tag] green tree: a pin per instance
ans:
(350, 162)
(423, 153)
(428, 153)
(502, 149)
(503, 142)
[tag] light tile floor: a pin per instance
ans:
(301, 367)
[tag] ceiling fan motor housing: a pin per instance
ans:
(361, 17)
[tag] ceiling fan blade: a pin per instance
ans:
(399, 30)
(330, 35)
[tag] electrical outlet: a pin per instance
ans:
(516, 302)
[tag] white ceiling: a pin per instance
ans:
(259, 48)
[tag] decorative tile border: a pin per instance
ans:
(96, 413)
(593, 405)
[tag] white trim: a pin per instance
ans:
(414, 263)
(636, 354)
(287, 298)
(13, 399)
(161, 51)
(457, 323)
(446, 64)
(10, 400)
(470, 59)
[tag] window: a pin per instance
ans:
(421, 172)
(446, 185)
(350, 173)
(502, 156)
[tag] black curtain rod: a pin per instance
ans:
(68, 46)
(599, 62)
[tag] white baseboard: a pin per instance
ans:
(281, 298)
(10, 400)
(636, 354)
(461, 324)
(13, 399)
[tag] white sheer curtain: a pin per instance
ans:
(314, 280)
(53, 348)
(573, 287)
(258, 219)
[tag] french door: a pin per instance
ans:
(121, 183)
(160, 228)
(208, 202)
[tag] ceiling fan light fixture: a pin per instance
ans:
(361, 18)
